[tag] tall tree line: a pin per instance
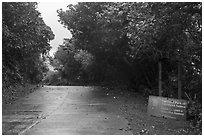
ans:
(25, 43)
(125, 41)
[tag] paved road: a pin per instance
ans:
(70, 110)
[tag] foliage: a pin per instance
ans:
(68, 66)
(72, 63)
(25, 42)
(194, 114)
(130, 38)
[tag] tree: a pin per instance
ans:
(72, 63)
(93, 32)
(131, 38)
(25, 42)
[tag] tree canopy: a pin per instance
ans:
(126, 40)
(25, 42)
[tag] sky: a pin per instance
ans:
(48, 12)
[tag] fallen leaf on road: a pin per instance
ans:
(144, 131)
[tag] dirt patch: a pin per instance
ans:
(15, 92)
(133, 107)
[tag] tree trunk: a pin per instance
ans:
(160, 78)
(179, 80)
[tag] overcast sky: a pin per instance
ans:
(48, 11)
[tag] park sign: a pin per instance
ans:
(167, 107)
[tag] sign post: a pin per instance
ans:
(160, 78)
(168, 107)
(179, 80)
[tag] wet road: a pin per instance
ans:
(68, 110)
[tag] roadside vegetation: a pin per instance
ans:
(25, 44)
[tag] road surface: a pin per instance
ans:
(68, 110)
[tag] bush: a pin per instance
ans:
(194, 115)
